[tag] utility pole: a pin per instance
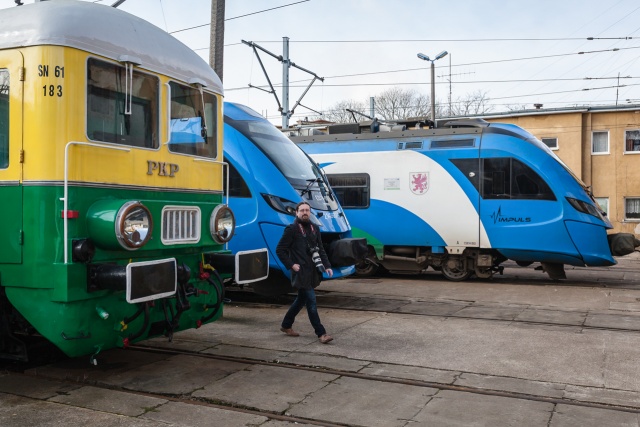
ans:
(286, 64)
(216, 39)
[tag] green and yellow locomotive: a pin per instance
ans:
(113, 216)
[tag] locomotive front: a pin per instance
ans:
(113, 162)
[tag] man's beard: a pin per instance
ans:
(303, 219)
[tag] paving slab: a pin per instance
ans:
(450, 408)
(36, 388)
(411, 372)
(112, 401)
(433, 308)
(181, 414)
(514, 385)
(602, 395)
(17, 411)
(491, 312)
(179, 375)
(269, 388)
(111, 362)
(616, 321)
(247, 352)
(353, 401)
(535, 314)
(324, 361)
(577, 416)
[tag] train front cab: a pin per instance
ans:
(532, 208)
(264, 190)
(113, 221)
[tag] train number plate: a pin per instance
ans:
(149, 280)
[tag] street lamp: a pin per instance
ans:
(433, 81)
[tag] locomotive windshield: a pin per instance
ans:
(303, 174)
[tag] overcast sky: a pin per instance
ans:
(518, 52)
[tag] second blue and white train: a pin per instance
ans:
(462, 199)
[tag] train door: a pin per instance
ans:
(517, 206)
(11, 99)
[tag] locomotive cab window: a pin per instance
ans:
(352, 189)
(122, 108)
(4, 119)
(508, 178)
(193, 121)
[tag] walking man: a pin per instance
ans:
(300, 250)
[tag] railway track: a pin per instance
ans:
(283, 416)
(524, 314)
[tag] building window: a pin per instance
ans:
(121, 111)
(551, 143)
(632, 208)
(632, 141)
(603, 202)
(600, 142)
(352, 189)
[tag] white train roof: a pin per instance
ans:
(105, 31)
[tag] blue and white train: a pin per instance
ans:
(462, 199)
(268, 176)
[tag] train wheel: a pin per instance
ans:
(369, 266)
(453, 269)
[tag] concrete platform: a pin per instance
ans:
(492, 337)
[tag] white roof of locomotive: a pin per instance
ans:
(105, 31)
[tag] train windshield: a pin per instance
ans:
(303, 174)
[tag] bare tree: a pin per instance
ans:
(339, 114)
(473, 103)
(515, 107)
(396, 103)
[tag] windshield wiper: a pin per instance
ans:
(307, 190)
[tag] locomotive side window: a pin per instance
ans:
(352, 189)
(193, 121)
(508, 178)
(4, 119)
(121, 110)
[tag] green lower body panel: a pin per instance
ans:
(89, 326)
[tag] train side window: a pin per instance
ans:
(352, 189)
(527, 184)
(116, 116)
(508, 178)
(496, 176)
(193, 121)
(237, 185)
(470, 169)
(4, 119)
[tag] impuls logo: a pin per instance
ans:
(498, 217)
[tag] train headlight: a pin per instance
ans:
(116, 224)
(281, 205)
(222, 224)
(585, 207)
(133, 225)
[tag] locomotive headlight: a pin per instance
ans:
(133, 225)
(116, 224)
(222, 224)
